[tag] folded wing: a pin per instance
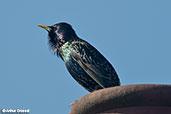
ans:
(94, 64)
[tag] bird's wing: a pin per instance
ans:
(94, 63)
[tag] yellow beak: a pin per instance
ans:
(45, 27)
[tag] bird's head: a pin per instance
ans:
(59, 34)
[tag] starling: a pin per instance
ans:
(84, 62)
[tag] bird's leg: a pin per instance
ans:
(94, 91)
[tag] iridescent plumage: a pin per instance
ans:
(84, 62)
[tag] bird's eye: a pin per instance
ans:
(54, 28)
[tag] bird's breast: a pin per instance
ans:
(66, 51)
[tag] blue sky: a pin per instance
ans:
(133, 35)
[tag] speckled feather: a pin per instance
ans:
(88, 66)
(84, 62)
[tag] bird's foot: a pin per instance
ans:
(94, 91)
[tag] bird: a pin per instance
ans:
(83, 61)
